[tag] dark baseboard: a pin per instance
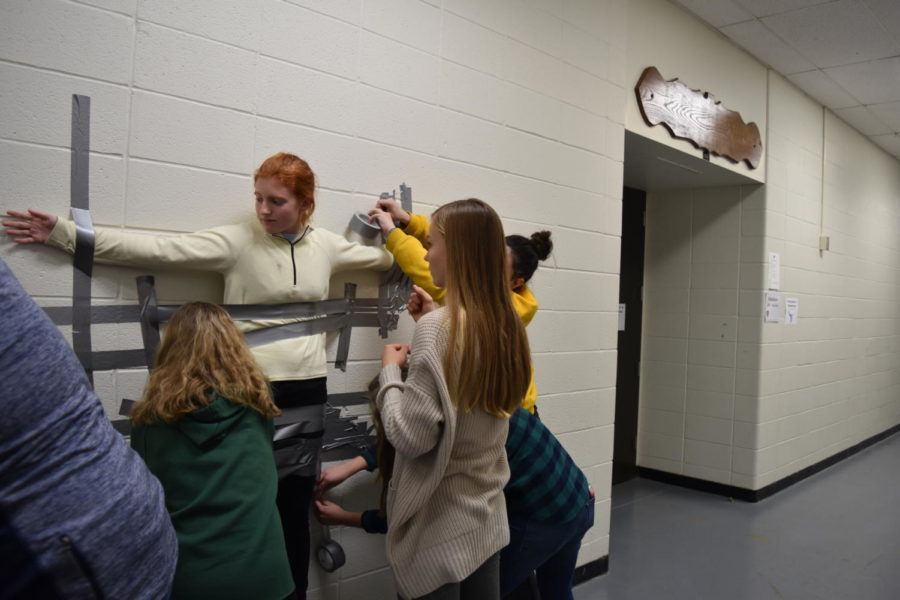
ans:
(595, 568)
(746, 495)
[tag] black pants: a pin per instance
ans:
(483, 584)
(295, 493)
(294, 498)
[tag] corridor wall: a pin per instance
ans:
(518, 103)
(725, 397)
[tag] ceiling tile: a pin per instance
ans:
(888, 113)
(873, 82)
(837, 33)
(754, 37)
(764, 8)
(888, 14)
(890, 142)
(821, 87)
(716, 12)
(861, 119)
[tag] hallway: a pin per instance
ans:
(835, 535)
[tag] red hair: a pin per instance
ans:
(294, 173)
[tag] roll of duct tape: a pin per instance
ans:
(362, 231)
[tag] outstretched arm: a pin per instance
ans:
(331, 513)
(409, 252)
(333, 476)
(212, 250)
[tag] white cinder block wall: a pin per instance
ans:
(702, 255)
(725, 397)
(519, 102)
(830, 381)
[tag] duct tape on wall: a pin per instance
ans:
(84, 232)
(340, 314)
(394, 287)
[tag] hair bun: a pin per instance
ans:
(542, 243)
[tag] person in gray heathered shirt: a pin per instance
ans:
(80, 514)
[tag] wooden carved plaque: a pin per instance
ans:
(697, 117)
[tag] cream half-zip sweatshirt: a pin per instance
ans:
(258, 268)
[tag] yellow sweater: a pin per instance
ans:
(409, 248)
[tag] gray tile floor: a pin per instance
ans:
(832, 536)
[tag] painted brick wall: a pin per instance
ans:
(519, 102)
(728, 398)
(702, 251)
(830, 381)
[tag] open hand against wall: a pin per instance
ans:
(333, 476)
(32, 227)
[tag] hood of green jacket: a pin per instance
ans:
(211, 424)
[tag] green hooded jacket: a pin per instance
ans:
(218, 473)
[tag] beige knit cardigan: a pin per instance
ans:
(445, 506)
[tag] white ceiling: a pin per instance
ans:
(843, 53)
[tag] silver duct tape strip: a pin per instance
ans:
(109, 360)
(306, 421)
(300, 459)
(165, 312)
(295, 427)
(81, 139)
(311, 418)
(84, 232)
(406, 197)
(395, 286)
(119, 313)
(365, 303)
(149, 317)
(343, 349)
(260, 312)
(126, 407)
(298, 445)
(348, 399)
(261, 337)
(264, 312)
(123, 426)
(131, 313)
(383, 298)
(84, 240)
(364, 320)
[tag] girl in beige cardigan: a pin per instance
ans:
(469, 366)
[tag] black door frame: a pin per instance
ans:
(631, 282)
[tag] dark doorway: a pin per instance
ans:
(631, 281)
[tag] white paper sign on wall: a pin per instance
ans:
(774, 271)
(772, 310)
(791, 310)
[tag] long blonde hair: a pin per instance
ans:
(202, 353)
(488, 362)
